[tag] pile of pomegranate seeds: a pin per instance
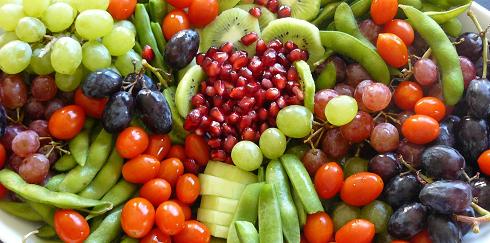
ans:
(242, 95)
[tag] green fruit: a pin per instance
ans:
(188, 87)
(215, 217)
(272, 143)
(227, 4)
(327, 78)
(229, 172)
(221, 204)
(247, 233)
(307, 83)
(295, 121)
(266, 15)
(212, 185)
(178, 133)
(304, 9)
(355, 165)
(378, 213)
(344, 213)
(246, 155)
(298, 150)
(218, 231)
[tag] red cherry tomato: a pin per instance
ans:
(3, 156)
(402, 29)
(70, 226)
(484, 162)
(174, 22)
(356, 231)
(132, 142)
(177, 151)
(3, 191)
(197, 148)
(92, 106)
(383, 11)
(407, 94)
(431, 106)
(121, 9)
(185, 208)
(328, 180)
(202, 12)
(156, 191)
(318, 228)
(170, 218)
(193, 232)
(137, 217)
(170, 170)
(180, 4)
(420, 129)
(392, 49)
(156, 236)
(188, 188)
(361, 188)
(66, 123)
(159, 146)
(422, 237)
(141, 169)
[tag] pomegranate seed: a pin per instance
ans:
(245, 122)
(236, 55)
(255, 66)
(277, 69)
(292, 74)
(273, 5)
(281, 102)
(266, 83)
(214, 143)
(295, 55)
(252, 114)
(261, 2)
(260, 47)
(215, 129)
(248, 134)
(218, 100)
(283, 60)
(262, 114)
(218, 155)
(272, 121)
(225, 72)
(210, 91)
(203, 86)
(227, 47)
(227, 106)
(234, 76)
(216, 114)
(273, 109)
(252, 87)
(295, 100)
(200, 131)
(304, 55)
(275, 44)
(290, 46)
(213, 69)
(211, 51)
(272, 94)
(240, 62)
(229, 142)
(206, 62)
(228, 130)
(200, 58)
(297, 92)
(249, 38)
(147, 53)
(255, 11)
(246, 73)
(263, 127)
(279, 81)
(247, 103)
(242, 81)
(220, 57)
(219, 87)
(205, 122)
(228, 160)
(198, 100)
(284, 11)
(203, 109)
(260, 98)
(269, 57)
(191, 166)
(266, 74)
(192, 120)
(233, 118)
(237, 93)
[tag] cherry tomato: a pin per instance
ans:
(159, 146)
(156, 191)
(92, 106)
(170, 170)
(484, 162)
(303, 239)
(328, 180)
(422, 237)
(318, 228)
(3, 156)
(431, 106)
(399, 241)
(137, 217)
(197, 148)
(188, 188)
(141, 169)
(121, 9)
(420, 129)
(170, 218)
(407, 94)
(193, 232)
(177, 151)
(355, 231)
(70, 226)
(174, 22)
(402, 29)
(180, 4)
(66, 123)
(361, 188)
(383, 11)
(185, 208)
(202, 12)
(3, 191)
(132, 142)
(156, 236)
(392, 49)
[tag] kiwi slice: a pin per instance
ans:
(301, 32)
(265, 18)
(230, 26)
(188, 87)
(178, 133)
(307, 84)
(303, 9)
(227, 4)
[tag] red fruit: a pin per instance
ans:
(148, 53)
(249, 38)
(255, 11)
(273, 5)
(284, 11)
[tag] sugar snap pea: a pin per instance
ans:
(158, 9)
(346, 22)
(300, 208)
(118, 194)
(145, 35)
(360, 7)
(54, 182)
(453, 27)
(79, 147)
(444, 16)
(350, 46)
(442, 49)
(109, 228)
(46, 211)
(79, 178)
(327, 78)
(270, 228)
(326, 14)
(157, 32)
(21, 210)
(414, 3)
(261, 174)
(46, 232)
(95, 222)
(247, 233)
(65, 163)
(137, 47)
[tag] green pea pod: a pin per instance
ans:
(158, 9)
(350, 46)
(106, 178)
(301, 181)
(21, 210)
(443, 50)
(426, 7)
(127, 239)
(270, 228)
(346, 22)
(80, 177)
(361, 7)
(79, 147)
(95, 222)
(453, 27)
(327, 78)
(46, 211)
(137, 48)
(89, 123)
(261, 174)
(157, 32)
(440, 3)
(300, 208)
(109, 228)
(445, 16)
(117, 195)
(331, 26)
(275, 175)
(46, 232)
(65, 163)
(414, 3)
(246, 231)
(145, 35)
(95, 132)
(54, 182)
(327, 13)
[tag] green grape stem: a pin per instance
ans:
(484, 39)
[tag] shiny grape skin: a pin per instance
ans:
(443, 229)
(446, 197)
(154, 111)
(385, 165)
(313, 160)
(181, 48)
(140, 81)
(478, 97)
(334, 144)
(465, 227)
(481, 191)
(411, 153)
(407, 221)
(446, 131)
(472, 137)
(10, 132)
(471, 47)
(443, 162)
(3, 120)
(102, 83)
(118, 112)
(402, 189)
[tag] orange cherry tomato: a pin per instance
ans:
(355, 231)
(92, 106)
(197, 148)
(156, 236)
(318, 228)
(141, 169)
(156, 191)
(188, 188)
(193, 232)
(3, 191)
(177, 151)
(174, 22)
(180, 4)
(431, 106)
(70, 226)
(402, 29)
(66, 123)
(170, 170)
(137, 217)
(420, 129)
(121, 9)
(203, 12)
(383, 11)
(328, 180)
(132, 142)
(170, 218)
(392, 49)
(185, 208)
(3, 156)
(361, 188)
(484, 162)
(422, 237)
(407, 94)
(159, 146)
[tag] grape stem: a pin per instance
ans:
(48, 47)
(475, 221)
(28, 235)
(156, 72)
(422, 178)
(483, 35)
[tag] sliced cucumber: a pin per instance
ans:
(229, 172)
(221, 204)
(188, 87)
(212, 185)
(218, 231)
(307, 83)
(215, 217)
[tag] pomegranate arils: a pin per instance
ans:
(269, 57)
(289, 45)
(261, 2)
(272, 94)
(273, 5)
(279, 81)
(233, 118)
(246, 103)
(248, 134)
(255, 11)
(211, 51)
(227, 47)
(237, 93)
(275, 44)
(277, 69)
(245, 122)
(219, 87)
(218, 154)
(281, 102)
(198, 100)
(200, 58)
(295, 55)
(246, 73)
(205, 122)
(282, 59)
(284, 11)
(147, 53)
(292, 74)
(249, 38)
(216, 114)
(256, 66)
(220, 57)
(214, 143)
(193, 120)
(241, 81)
(210, 91)
(213, 69)
(229, 142)
(260, 47)
(215, 129)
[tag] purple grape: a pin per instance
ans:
(402, 189)
(425, 72)
(469, 70)
(411, 152)
(407, 221)
(443, 229)
(370, 30)
(446, 197)
(355, 73)
(385, 165)
(442, 162)
(471, 46)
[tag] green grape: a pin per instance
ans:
(15, 56)
(128, 63)
(35, 8)
(72, 3)
(95, 56)
(69, 82)
(126, 24)
(295, 121)
(41, 65)
(3, 2)
(10, 14)
(246, 155)
(272, 143)
(94, 23)
(7, 37)
(59, 17)
(119, 41)
(113, 68)
(66, 55)
(341, 110)
(30, 29)
(83, 5)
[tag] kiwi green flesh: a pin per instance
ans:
(307, 84)
(227, 4)
(265, 18)
(178, 133)
(188, 87)
(303, 9)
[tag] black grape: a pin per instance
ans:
(446, 131)
(118, 112)
(481, 191)
(407, 221)
(102, 83)
(402, 189)
(443, 229)
(154, 111)
(385, 165)
(472, 137)
(478, 98)
(446, 197)
(442, 162)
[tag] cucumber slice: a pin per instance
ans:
(215, 217)
(307, 83)
(229, 172)
(212, 185)
(218, 231)
(221, 204)
(188, 87)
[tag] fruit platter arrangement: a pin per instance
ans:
(244, 121)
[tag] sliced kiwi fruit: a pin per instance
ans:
(230, 26)
(178, 133)
(303, 9)
(227, 4)
(265, 18)
(301, 32)
(188, 87)
(307, 83)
